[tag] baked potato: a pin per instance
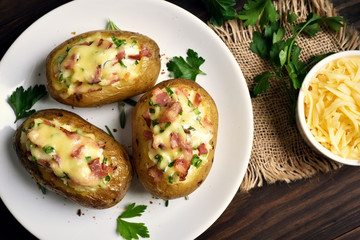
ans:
(101, 67)
(68, 155)
(174, 132)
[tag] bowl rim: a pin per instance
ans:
(300, 115)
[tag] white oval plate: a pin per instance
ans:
(175, 30)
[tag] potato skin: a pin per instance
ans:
(102, 197)
(141, 160)
(150, 68)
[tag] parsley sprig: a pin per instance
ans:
(130, 230)
(23, 100)
(283, 54)
(220, 10)
(189, 68)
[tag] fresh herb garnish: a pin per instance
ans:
(48, 149)
(130, 102)
(269, 44)
(118, 42)
(189, 69)
(109, 131)
(22, 101)
(130, 230)
(196, 161)
(42, 189)
(220, 10)
(122, 115)
(169, 91)
(111, 26)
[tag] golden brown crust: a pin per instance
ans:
(102, 197)
(142, 162)
(109, 94)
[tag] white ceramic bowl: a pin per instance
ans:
(300, 115)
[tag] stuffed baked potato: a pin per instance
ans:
(174, 128)
(72, 157)
(101, 67)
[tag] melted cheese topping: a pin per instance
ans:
(332, 107)
(188, 120)
(67, 155)
(93, 62)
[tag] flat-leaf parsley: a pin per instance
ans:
(130, 230)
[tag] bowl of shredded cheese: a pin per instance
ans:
(328, 107)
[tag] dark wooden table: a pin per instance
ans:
(326, 206)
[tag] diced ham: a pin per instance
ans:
(98, 169)
(197, 100)
(182, 167)
(120, 56)
(202, 149)
(113, 78)
(44, 163)
(145, 51)
(158, 143)
(94, 90)
(170, 113)
(100, 42)
(104, 44)
(86, 43)
(77, 151)
(148, 135)
(206, 123)
(182, 91)
(69, 62)
(57, 159)
(72, 135)
(97, 76)
(46, 122)
(146, 115)
(175, 141)
(155, 173)
(161, 97)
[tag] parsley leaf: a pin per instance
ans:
(111, 26)
(130, 230)
(220, 10)
(22, 100)
(189, 69)
(269, 44)
(256, 8)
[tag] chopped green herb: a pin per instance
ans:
(151, 103)
(166, 203)
(196, 161)
(151, 110)
(171, 164)
(104, 160)
(186, 197)
(88, 158)
(171, 180)
(133, 42)
(122, 115)
(167, 124)
(158, 157)
(22, 101)
(42, 188)
(118, 42)
(154, 122)
(109, 131)
(169, 91)
(107, 178)
(130, 102)
(136, 62)
(196, 111)
(130, 230)
(48, 149)
(122, 64)
(190, 103)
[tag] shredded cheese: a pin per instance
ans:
(332, 107)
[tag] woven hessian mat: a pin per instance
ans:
(279, 153)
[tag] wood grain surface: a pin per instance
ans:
(326, 206)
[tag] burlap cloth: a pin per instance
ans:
(279, 153)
